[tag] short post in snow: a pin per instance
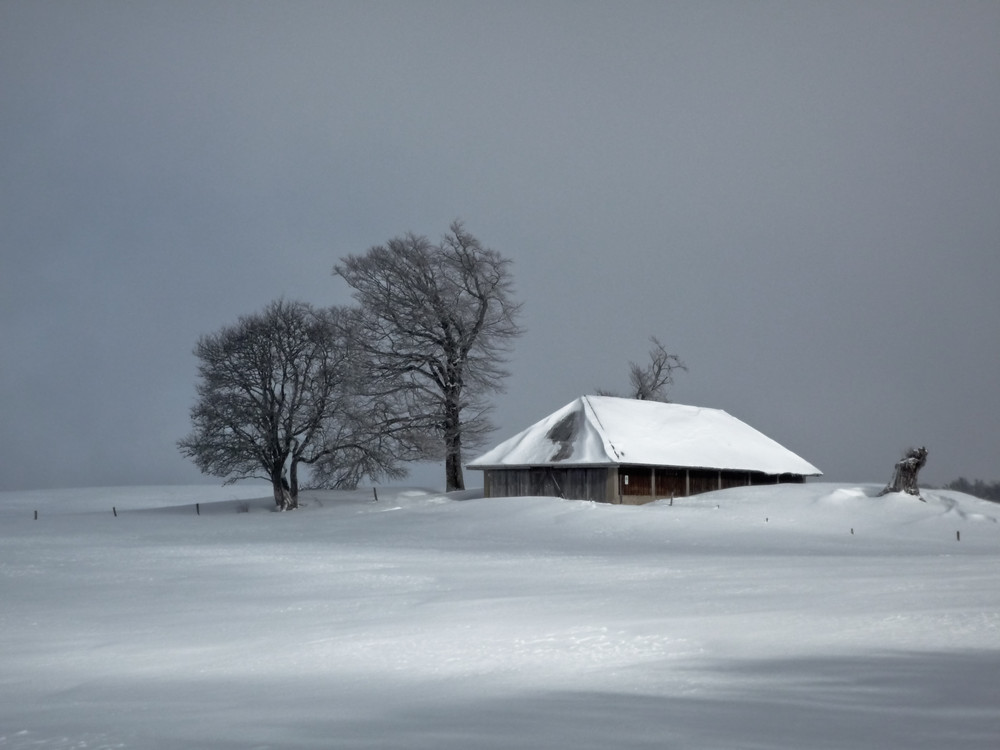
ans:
(36, 515)
(375, 490)
(197, 508)
(115, 511)
(958, 536)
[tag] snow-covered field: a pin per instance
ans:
(815, 616)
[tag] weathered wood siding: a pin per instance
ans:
(636, 480)
(584, 483)
(671, 482)
(702, 480)
(626, 484)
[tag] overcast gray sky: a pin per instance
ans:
(800, 199)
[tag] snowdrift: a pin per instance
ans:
(814, 615)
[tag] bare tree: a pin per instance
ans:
(438, 322)
(276, 390)
(651, 382)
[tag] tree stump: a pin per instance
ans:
(904, 478)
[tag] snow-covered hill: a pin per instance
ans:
(796, 616)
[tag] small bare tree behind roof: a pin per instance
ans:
(652, 381)
(438, 320)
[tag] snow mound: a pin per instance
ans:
(434, 621)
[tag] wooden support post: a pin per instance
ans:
(197, 508)
(376, 494)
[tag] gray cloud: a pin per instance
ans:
(799, 200)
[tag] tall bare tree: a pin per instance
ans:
(276, 390)
(438, 320)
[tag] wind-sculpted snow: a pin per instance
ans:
(794, 616)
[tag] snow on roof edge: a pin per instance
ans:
(612, 431)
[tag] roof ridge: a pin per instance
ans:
(604, 430)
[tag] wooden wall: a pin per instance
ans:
(583, 483)
(626, 484)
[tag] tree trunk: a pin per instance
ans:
(904, 477)
(454, 479)
(277, 489)
(279, 486)
(453, 471)
(293, 477)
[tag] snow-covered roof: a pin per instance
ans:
(605, 431)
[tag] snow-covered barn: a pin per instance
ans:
(620, 450)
